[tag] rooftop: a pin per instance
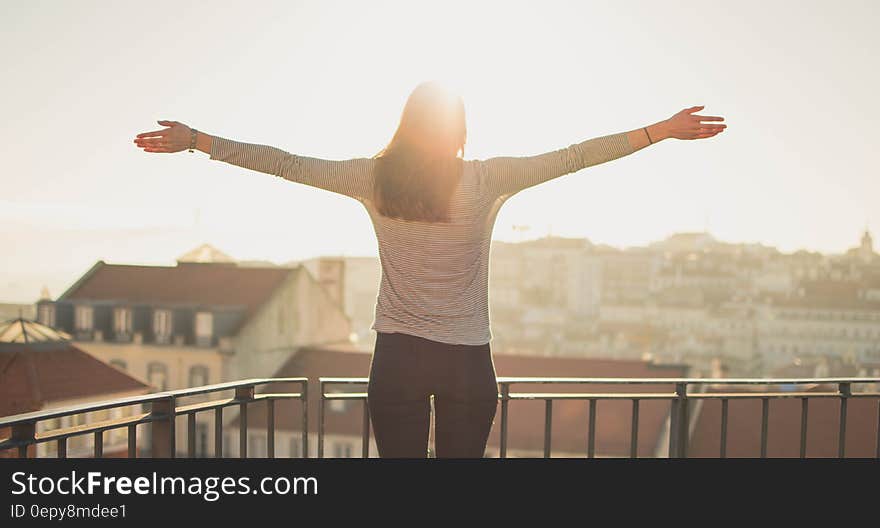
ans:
(39, 365)
(186, 283)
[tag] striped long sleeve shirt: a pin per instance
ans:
(435, 276)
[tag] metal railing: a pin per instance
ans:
(164, 409)
(679, 413)
(163, 412)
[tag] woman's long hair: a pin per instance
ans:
(416, 174)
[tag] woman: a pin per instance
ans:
(433, 214)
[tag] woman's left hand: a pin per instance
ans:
(173, 139)
(687, 125)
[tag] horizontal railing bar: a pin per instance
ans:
(760, 395)
(586, 396)
(539, 396)
(204, 406)
(217, 387)
(67, 432)
(278, 396)
(635, 395)
(135, 400)
(691, 381)
(180, 393)
(343, 380)
(345, 395)
(648, 381)
(78, 409)
(228, 402)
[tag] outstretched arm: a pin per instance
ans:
(505, 176)
(348, 177)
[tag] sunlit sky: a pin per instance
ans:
(796, 81)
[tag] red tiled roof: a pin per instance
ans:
(526, 425)
(784, 428)
(32, 375)
(186, 283)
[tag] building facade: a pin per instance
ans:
(198, 322)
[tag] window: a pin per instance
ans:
(157, 375)
(122, 321)
(83, 318)
(46, 314)
(198, 376)
(342, 450)
(204, 327)
(162, 325)
(296, 447)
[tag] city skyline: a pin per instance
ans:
(794, 170)
(60, 282)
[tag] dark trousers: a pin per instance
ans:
(405, 370)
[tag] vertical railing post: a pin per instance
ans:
(270, 428)
(805, 409)
(505, 398)
(365, 439)
(132, 441)
(321, 422)
(305, 418)
(548, 425)
(98, 444)
(243, 395)
(26, 433)
(591, 441)
(634, 430)
(191, 435)
(684, 423)
(724, 413)
(162, 430)
(845, 390)
(218, 432)
(678, 422)
(878, 429)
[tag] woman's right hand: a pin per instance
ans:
(687, 125)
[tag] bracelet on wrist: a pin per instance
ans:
(192, 141)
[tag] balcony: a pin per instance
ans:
(853, 402)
